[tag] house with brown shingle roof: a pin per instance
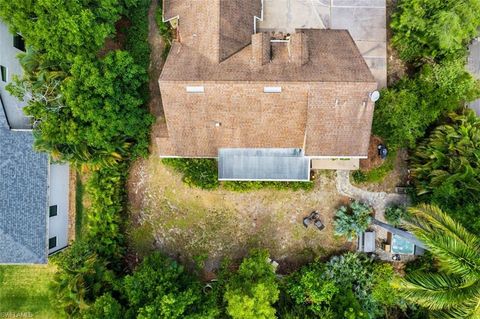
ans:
(269, 106)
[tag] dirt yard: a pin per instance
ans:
(190, 223)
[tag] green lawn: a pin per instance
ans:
(24, 290)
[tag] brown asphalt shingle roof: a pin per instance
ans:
(323, 108)
(216, 29)
(333, 57)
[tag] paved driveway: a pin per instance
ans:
(364, 19)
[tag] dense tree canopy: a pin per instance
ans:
(434, 29)
(406, 110)
(252, 290)
(62, 29)
(347, 286)
(87, 108)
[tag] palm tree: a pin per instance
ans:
(453, 291)
(451, 155)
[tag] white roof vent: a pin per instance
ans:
(195, 89)
(272, 89)
(374, 96)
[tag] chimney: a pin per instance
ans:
(299, 48)
(261, 49)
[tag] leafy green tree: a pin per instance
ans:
(406, 110)
(104, 121)
(309, 287)
(433, 29)
(161, 288)
(105, 307)
(61, 29)
(454, 291)
(252, 290)
(446, 167)
(353, 220)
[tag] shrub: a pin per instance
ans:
(434, 29)
(377, 174)
(90, 267)
(202, 173)
(241, 186)
(368, 280)
(105, 307)
(161, 288)
(353, 220)
(347, 286)
(251, 292)
(104, 219)
(82, 277)
(395, 215)
(359, 176)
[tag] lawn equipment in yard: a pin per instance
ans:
(313, 218)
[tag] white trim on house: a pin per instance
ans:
(58, 195)
(190, 157)
(21, 130)
(255, 19)
(262, 180)
(337, 157)
(163, 15)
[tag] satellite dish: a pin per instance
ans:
(374, 96)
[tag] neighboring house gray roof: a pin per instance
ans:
(23, 197)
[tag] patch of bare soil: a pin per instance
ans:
(155, 69)
(396, 69)
(188, 223)
(373, 159)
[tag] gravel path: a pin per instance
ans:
(379, 201)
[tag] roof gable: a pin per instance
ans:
(216, 29)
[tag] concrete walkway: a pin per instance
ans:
(379, 201)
